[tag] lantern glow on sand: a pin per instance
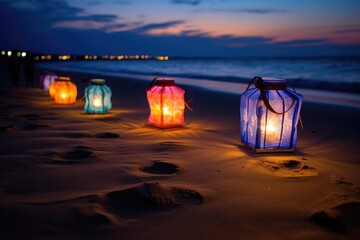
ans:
(46, 80)
(167, 104)
(98, 97)
(269, 115)
(63, 91)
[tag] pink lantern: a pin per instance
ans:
(167, 104)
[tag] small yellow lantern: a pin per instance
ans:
(63, 91)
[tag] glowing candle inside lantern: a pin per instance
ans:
(270, 128)
(271, 131)
(165, 110)
(97, 102)
(63, 95)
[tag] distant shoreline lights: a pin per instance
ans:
(87, 57)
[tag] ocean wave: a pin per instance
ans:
(323, 82)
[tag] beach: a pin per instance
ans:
(65, 174)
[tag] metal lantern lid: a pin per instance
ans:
(62, 79)
(270, 83)
(97, 81)
(164, 82)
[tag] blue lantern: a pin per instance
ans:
(269, 115)
(98, 97)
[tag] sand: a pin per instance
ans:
(65, 174)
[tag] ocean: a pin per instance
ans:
(341, 74)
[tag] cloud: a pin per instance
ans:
(118, 27)
(157, 26)
(246, 10)
(236, 42)
(97, 25)
(57, 10)
(97, 17)
(194, 32)
(263, 11)
(40, 15)
(303, 42)
(107, 24)
(95, 3)
(49, 7)
(95, 21)
(81, 25)
(189, 2)
(123, 2)
(350, 30)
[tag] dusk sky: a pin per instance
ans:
(182, 27)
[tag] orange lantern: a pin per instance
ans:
(167, 104)
(63, 91)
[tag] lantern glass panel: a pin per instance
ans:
(98, 97)
(265, 129)
(167, 104)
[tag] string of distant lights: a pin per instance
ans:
(86, 57)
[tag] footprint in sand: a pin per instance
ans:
(171, 146)
(91, 212)
(159, 167)
(30, 117)
(89, 135)
(89, 217)
(285, 167)
(12, 106)
(107, 135)
(7, 128)
(109, 119)
(78, 155)
(342, 181)
(28, 126)
(82, 147)
(342, 219)
(346, 184)
(78, 135)
(148, 197)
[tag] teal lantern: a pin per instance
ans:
(98, 97)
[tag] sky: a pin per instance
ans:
(204, 28)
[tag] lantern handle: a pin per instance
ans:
(267, 104)
(264, 98)
(251, 82)
(300, 119)
(152, 83)
(190, 100)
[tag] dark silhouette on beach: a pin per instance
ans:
(29, 69)
(14, 67)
